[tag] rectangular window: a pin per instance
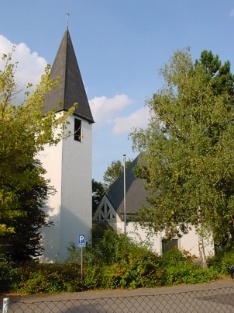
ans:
(77, 130)
(169, 244)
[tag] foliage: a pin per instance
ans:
(188, 274)
(24, 131)
(180, 268)
(98, 191)
(93, 277)
(114, 171)
(24, 243)
(112, 262)
(187, 149)
(222, 262)
(104, 250)
(115, 261)
(98, 232)
(73, 253)
(8, 274)
(49, 278)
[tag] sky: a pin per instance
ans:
(120, 45)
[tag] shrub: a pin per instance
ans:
(188, 274)
(49, 278)
(117, 262)
(114, 261)
(222, 262)
(73, 253)
(179, 268)
(8, 275)
(93, 276)
(122, 263)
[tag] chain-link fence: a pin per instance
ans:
(220, 300)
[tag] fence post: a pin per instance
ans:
(5, 305)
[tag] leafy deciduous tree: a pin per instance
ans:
(188, 148)
(24, 243)
(98, 191)
(114, 171)
(23, 133)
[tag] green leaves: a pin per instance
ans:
(24, 131)
(188, 145)
(114, 171)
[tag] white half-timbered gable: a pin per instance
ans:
(105, 211)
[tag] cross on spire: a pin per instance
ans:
(67, 18)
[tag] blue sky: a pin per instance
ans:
(120, 45)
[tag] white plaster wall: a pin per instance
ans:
(69, 169)
(188, 242)
(76, 204)
(51, 159)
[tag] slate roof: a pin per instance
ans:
(71, 88)
(135, 192)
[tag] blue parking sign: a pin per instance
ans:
(81, 241)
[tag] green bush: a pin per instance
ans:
(137, 274)
(93, 276)
(122, 263)
(222, 262)
(108, 249)
(188, 274)
(8, 275)
(49, 278)
(113, 261)
(180, 268)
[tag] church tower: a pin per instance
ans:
(69, 163)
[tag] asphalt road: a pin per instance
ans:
(212, 297)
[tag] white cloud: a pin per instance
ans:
(138, 119)
(30, 66)
(105, 109)
(232, 13)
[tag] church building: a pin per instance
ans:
(69, 163)
(111, 211)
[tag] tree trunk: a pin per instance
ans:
(202, 253)
(201, 245)
(231, 229)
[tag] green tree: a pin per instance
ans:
(23, 133)
(114, 171)
(25, 242)
(98, 191)
(188, 147)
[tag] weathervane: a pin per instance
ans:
(67, 14)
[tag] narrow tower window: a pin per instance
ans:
(77, 130)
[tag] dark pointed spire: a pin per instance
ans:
(71, 88)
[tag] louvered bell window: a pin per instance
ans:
(77, 130)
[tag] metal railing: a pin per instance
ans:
(220, 300)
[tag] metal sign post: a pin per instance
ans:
(125, 220)
(81, 244)
(81, 263)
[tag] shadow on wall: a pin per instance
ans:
(65, 229)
